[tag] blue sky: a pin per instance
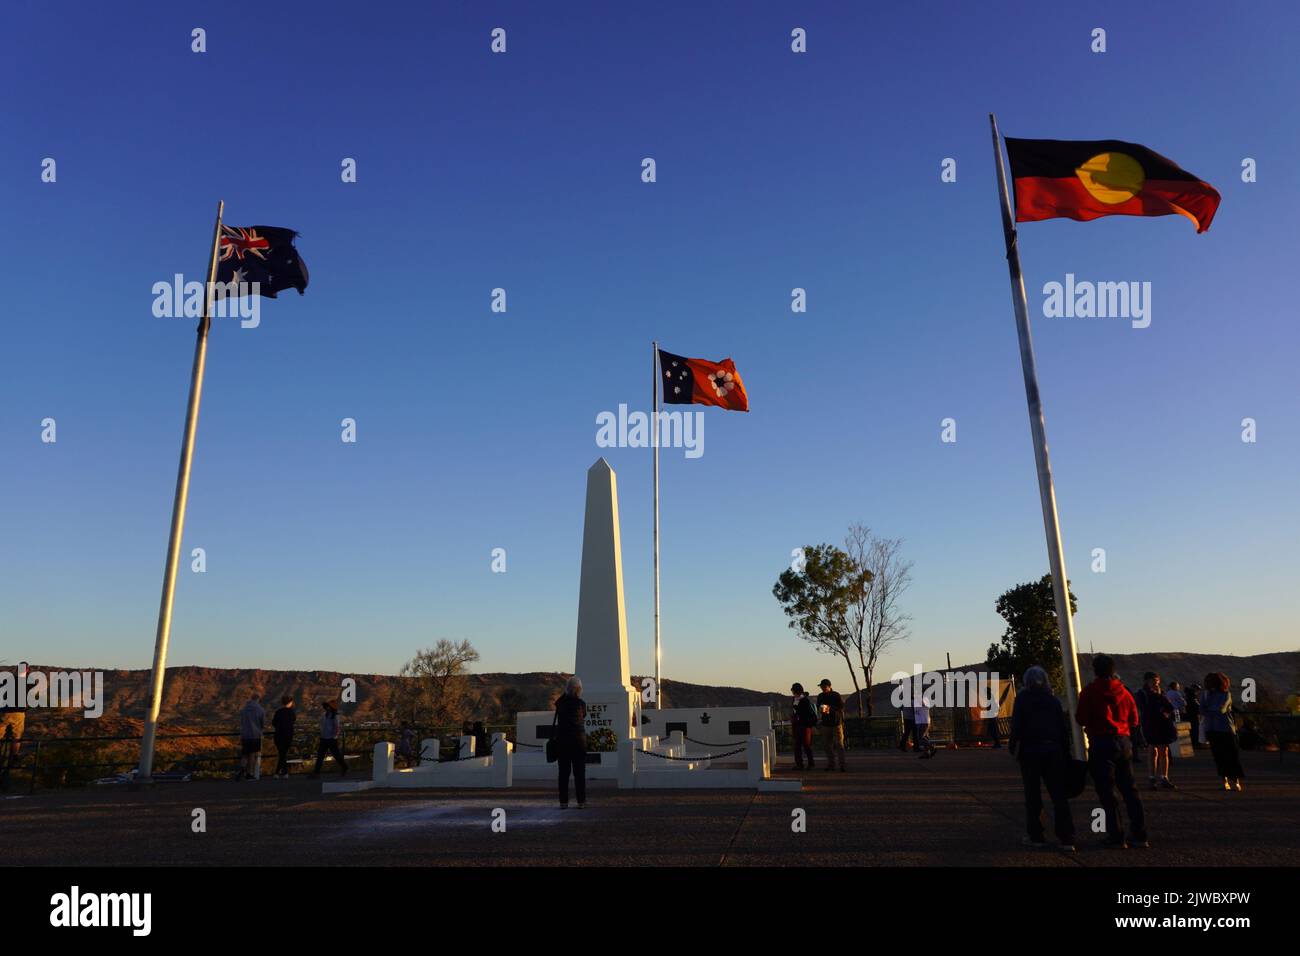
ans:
(475, 429)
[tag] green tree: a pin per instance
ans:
(1033, 634)
(816, 593)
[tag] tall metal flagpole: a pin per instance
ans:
(1038, 428)
(178, 516)
(654, 440)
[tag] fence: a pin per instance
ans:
(864, 733)
(45, 761)
(39, 760)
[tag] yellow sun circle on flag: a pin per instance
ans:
(1111, 178)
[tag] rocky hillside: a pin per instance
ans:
(209, 698)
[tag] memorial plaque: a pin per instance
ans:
(738, 728)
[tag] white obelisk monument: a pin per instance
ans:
(602, 617)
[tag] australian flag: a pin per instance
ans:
(261, 254)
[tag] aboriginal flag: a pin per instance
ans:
(261, 254)
(1088, 179)
(689, 381)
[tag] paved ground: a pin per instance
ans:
(962, 808)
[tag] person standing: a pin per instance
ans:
(1194, 714)
(909, 725)
(1040, 742)
(830, 706)
(803, 722)
(1178, 699)
(1157, 718)
(921, 730)
(13, 720)
(406, 745)
(570, 731)
(252, 724)
(1139, 738)
(282, 722)
(1109, 715)
(330, 731)
(1221, 729)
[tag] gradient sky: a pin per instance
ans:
(522, 170)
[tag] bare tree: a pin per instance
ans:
(874, 615)
(437, 692)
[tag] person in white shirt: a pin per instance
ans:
(921, 714)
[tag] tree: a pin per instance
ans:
(437, 692)
(875, 619)
(509, 704)
(1033, 634)
(816, 595)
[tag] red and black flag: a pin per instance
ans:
(261, 254)
(690, 381)
(1088, 179)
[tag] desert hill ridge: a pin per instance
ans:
(210, 697)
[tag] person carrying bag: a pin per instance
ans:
(569, 742)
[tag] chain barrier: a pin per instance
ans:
(705, 743)
(424, 757)
(696, 758)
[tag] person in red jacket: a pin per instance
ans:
(1109, 715)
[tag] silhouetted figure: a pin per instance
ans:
(1194, 714)
(282, 722)
(1109, 715)
(252, 724)
(1221, 729)
(1158, 728)
(406, 745)
(830, 707)
(570, 735)
(13, 720)
(803, 724)
(908, 714)
(1040, 741)
(330, 731)
(921, 730)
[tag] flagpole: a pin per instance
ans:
(178, 516)
(654, 439)
(1038, 428)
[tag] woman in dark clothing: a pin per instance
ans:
(571, 742)
(1157, 727)
(1221, 730)
(803, 725)
(1040, 741)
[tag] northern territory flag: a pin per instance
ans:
(261, 254)
(690, 381)
(1088, 179)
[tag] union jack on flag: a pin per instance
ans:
(264, 255)
(237, 242)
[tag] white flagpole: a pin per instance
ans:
(178, 517)
(1038, 429)
(654, 439)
